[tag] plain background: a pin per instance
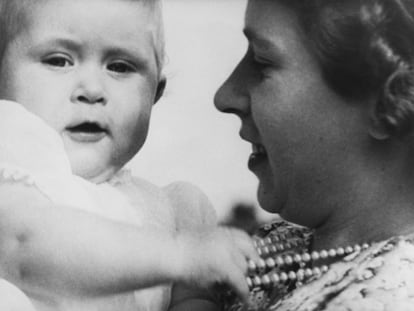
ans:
(189, 139)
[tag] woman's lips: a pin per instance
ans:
(87, 132)
(257, 157)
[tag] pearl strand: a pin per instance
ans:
(264, 265)
(273, 245)
(272, 279)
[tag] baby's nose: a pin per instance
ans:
(91, 98)
(90, 88)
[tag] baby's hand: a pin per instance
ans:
(216, 257)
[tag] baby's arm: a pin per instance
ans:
(219, 251)
(50, 250)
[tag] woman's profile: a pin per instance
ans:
(325, 95)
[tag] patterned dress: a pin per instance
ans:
(379, 278)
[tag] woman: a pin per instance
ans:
(325, 94)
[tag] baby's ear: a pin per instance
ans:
(160, 89)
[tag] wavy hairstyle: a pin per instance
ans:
(14, 18)
(365, 48)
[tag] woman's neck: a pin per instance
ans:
(368, 224)
(374, 203)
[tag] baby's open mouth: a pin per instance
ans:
(87, 132)
(87, 127)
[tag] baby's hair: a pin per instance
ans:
(14, 18)
(12, 21)
(158, 31)
(365, 48)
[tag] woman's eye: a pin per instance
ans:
(57, 61)
(263, 69)
(121, 67)
(261, 64)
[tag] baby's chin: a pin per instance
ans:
(94, 173)
(91, 162)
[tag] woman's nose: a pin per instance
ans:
(232, 96)
(90, 88)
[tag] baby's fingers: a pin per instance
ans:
(245, 243)
(237, 281)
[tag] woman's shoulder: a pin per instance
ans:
(374, 277)
(378, 278)
(385, 276)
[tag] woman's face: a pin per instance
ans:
(303, 135)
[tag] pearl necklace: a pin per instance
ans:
(278, 254)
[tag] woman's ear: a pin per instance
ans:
(376, 128)
(160, 89)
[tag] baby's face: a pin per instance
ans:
(88, 68)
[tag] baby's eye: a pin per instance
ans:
(57, 61)
(121, 67)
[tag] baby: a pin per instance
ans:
(78, 79)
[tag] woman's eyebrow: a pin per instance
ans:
(249, 33)
(253, 36)
(263, 43)
(258, 40)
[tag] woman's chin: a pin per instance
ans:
(269, 201)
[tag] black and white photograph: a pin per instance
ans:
(206, 155)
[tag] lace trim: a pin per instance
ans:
(13, 174)
(16, 175)
(121, 177)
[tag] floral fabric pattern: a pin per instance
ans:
(380, 278)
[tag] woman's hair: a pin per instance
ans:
(365, 48)
(14, 19)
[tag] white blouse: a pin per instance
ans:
(33, 153)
